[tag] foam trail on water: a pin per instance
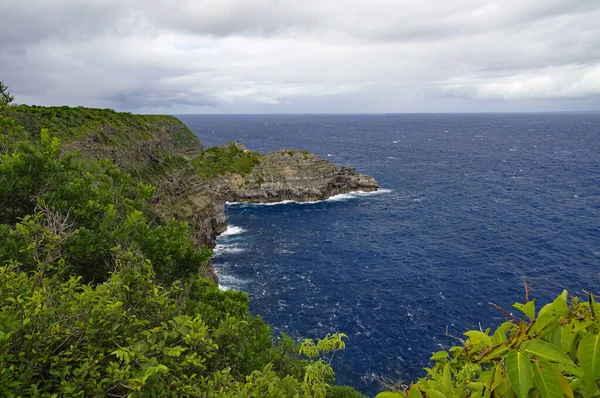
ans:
(222, 248)
(226, 280)
(335, 198)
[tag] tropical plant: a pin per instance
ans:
(552, 353)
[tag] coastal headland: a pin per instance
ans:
(193, 183)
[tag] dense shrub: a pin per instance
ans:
(552, 353)
(216, 161)
(97, 298)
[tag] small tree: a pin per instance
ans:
(5, 96)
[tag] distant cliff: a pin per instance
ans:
(192, 182)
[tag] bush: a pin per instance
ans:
(230, 158)
(553, 353)
(99, 299)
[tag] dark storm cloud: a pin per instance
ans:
(283, 56)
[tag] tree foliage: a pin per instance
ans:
(552, 353)
(99, 298)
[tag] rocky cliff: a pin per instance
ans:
(192, 183)
(291, 174)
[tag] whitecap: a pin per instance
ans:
(335, 198)
(230, 282)
(224, 248)
(233, 230)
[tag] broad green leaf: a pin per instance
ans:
(500, 333)
(564, 383)
(415, 393)
(520, 373)
(558, 306)
(434, 393)
(439, 356)
(545, 350)
(447, 379)
(588, 354)
(477, 386)
(487, 378)
(497, 377)
(545, 320)
(591, 390)
(390, 395)
(528, 308)
(567, 337)
(545, 380)
(477, 337)
(495, 353)
(571, 370)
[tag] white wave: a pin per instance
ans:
(227, 281)
(231, 248)
(233, 230)
(335, 198)
(356, 194)
(230, 282)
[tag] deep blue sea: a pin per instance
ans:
(471, 205)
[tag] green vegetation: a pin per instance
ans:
(101, 297)
(133, 142)
(553, 353)
(104, 125)
(98, 298)
(221, 160)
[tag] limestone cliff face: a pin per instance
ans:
(290, 174)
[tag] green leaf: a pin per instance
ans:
(528, 308)
(439, 356)
(567, 337)
(415, 393)
(545, 380)
(500, 333)
(520, 373)
(477, 337)
(497, 352)
(564, 383)
(497, 377)
(390, 395)
(545, 350)
(447, 380)
(588, 354)
(434, 393)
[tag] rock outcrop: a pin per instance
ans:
(290, 174)
(162, 151)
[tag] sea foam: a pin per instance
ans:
(233, 230)
(335, 198)
(224, 248)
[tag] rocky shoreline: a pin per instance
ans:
(162, 151)
(287, 174)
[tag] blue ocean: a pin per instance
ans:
(470, 206)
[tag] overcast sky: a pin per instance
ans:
(308, 56)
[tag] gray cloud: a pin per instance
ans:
(303, 56)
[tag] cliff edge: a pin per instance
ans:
(192, 182)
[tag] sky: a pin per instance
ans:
(308, 56)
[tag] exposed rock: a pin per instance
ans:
(290, 174)
(158, 149)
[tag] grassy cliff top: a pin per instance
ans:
(130, 140)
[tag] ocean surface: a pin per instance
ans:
(469, 207)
